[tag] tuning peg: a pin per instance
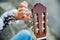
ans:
(42, 15)
(36, 22)
(43, 29)
(42, 21)
(37, 29)
(47, 14)
(47, 20)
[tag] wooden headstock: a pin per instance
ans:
(39, 20)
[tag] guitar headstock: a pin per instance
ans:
(39, 17)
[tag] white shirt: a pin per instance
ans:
(15, 23)
(1, 24)
(11, 12)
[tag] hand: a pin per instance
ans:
(23, 13)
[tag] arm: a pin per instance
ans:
(1, 24)
(21, 14)
(6, 18)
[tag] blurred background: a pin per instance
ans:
(53, 10)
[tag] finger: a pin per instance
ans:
(22, 9)
(28, 13)
(25, 18)
(16, 15)
(23, 12)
